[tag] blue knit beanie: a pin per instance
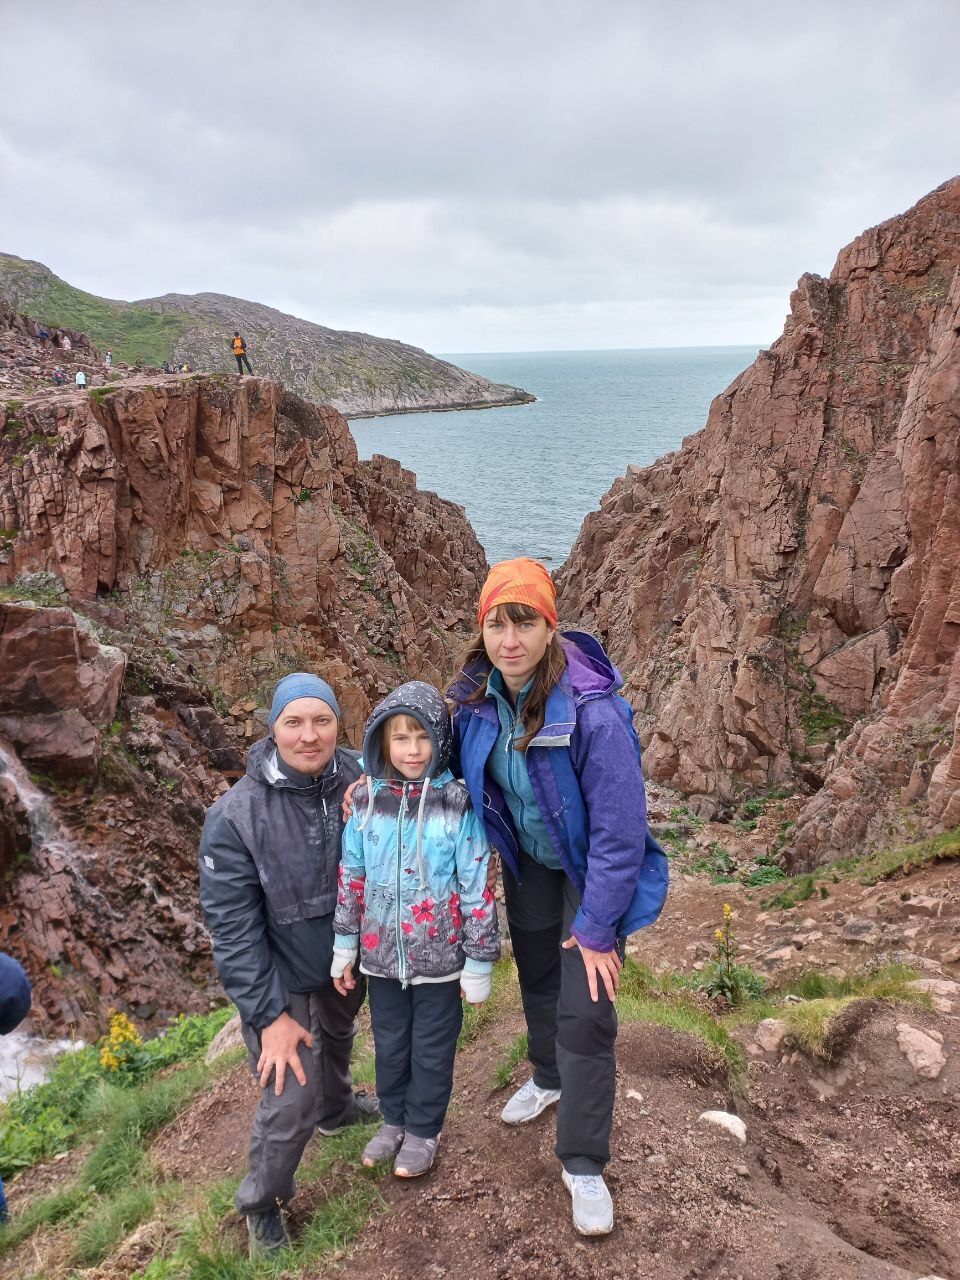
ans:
(301, 685)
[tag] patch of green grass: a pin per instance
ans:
(80, 1096)
(111, 1220)
(132, 332)
(867, 868)
(666, 1001)
(515, 1053)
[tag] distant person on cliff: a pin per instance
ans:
(43, 334)
(14, 1007)
(65, 343)
(108, 358)
(240, 353)
(81, 380)
(59, 378)
(268, 888)
(549, 754)
(415, 909)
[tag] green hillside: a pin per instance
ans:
(132, 332)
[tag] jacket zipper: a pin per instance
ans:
(401, 957)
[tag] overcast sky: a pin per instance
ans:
(473, 175)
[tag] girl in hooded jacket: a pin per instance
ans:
(414, 905)
(547, 749)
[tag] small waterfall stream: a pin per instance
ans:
(24, 1058)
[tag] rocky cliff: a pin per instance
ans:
(169, 549)
(782, 591)
(357, 373)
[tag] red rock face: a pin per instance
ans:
(233, 523)
(785, 582)
(209, 535)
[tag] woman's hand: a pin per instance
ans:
(606, 964)
(278, 1050)
(348, 796)
(346, 982)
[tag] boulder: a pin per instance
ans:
(922, 1049)
(64, 746)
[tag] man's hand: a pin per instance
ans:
(346, 982)
(605, 963)
(278, 1050)
(493, 870)
(348, 796)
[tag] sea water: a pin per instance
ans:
(527, 475)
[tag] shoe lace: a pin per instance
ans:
(591, 1186)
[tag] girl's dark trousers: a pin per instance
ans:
(570, 1038)
(415, 1031)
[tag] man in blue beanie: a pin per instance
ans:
(269, 856)
(14, 1007)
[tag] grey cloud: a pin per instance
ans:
(428, 159)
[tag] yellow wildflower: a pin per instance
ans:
(727, 911)
(719, 935)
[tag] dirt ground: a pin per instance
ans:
(850, 1170)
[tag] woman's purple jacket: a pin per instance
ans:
(584, 767)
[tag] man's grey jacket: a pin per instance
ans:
(268, 880)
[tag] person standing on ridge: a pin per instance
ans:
(81, 380)
(108, 358)
(240, 353)
(269, 855)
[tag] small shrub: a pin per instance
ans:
(724, 978)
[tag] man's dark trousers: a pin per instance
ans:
(283, 1126)
(415, 1031)
(241, 361)
(570, 1038)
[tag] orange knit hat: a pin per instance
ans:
(519, 582)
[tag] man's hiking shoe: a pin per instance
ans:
(592, 1206)
(362, 1108)
(528, 1102)
(384, 1145)
(266, 1233)
(416, 1156)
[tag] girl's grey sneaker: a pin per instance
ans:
(416, 1156)
(592, 1205)
(528, 1102)
(266, 1233)
(383, 1145)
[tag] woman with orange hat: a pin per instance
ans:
(549, 754)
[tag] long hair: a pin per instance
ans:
(547, 675)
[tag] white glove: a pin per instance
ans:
(340, 961)
(476, 987)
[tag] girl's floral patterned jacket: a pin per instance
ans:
(413, 890)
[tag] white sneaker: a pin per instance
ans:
(527, 1103)
(592, 1205)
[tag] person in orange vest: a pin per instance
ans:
(240, 353)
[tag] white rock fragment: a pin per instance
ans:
(922, 1049)
(632, 1093)
(724, 1120)
(770, 1034)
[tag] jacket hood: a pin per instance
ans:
(590, 672)
(427, 706)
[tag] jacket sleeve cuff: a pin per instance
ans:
(346, 942)
(592, 935)
(477, 966)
